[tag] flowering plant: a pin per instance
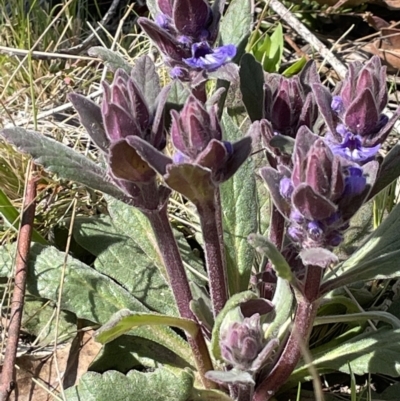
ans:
(234, 323)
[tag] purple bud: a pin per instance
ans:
(184, 40)
(355, 182)
(334, 218)
(242, 342)
(296, 233)
(296, 216)
(177, 73)
(163, 21)
(337, 104)
(286, 187)
(179, 157)
(228, 146)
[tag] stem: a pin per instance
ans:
(21, 269)
(307, 306)
(180, 287)
(214, 253)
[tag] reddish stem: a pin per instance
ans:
(307, 306)
(210, 221)
(180, 287)
(21, 268)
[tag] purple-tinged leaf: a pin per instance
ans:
(190, 16)
(384, 131)
(192, 181)
(156, 159)
(163, 40)
(312, 205)
(228, 72)
(91, 118)
(147, 80)
(323, 99)
(273, 178)
(362, 116)
(125, 163)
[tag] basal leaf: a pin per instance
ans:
(112, 59)
(124, 320)
(61, 160)
(160, 385)
(236, 24)
(239, 209)
(129, 351)
(371, 352)
(132, 222)
(87, 293)
(377, 258)
(252, 86)
(120, 257)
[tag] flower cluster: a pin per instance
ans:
(357, 126)
(320, 193)
(123, 116)
(185, 31)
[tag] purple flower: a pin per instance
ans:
(337, 104)
(286, 187)
(351, 148)
(206, 58)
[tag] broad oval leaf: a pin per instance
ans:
(160, 385)
(112, 59)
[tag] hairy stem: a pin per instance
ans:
(180, 286)
(307, 306)
(21, 269)
(210, 220)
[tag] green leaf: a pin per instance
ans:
(239, 208)
(39, 320)
(132, 222)
(231, 304)
(112, 59)
(252, 86)
(86, 292)
(236, 24)
(120, 257)
(129, 351)
(283, 307)
(295, 68)
(124, 320)
(61, 160)
(263, 245)
(276, 50)
(376, 259)
(388, 172)
(12, 216)
(161, 385)
(371, 352)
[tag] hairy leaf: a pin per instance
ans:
(236, 24)
(252, 86)
(239, 209)
(62, 160)
(370, 352)
(376, 259)
(161, 385)
(144, 74)
(120, 257)
(111, 58)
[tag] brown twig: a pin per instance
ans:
(7, 381)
